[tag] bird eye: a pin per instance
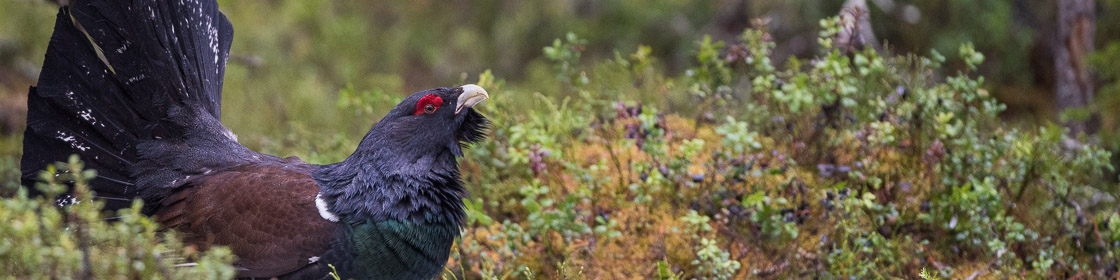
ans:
(427, 105)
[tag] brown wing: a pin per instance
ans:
(265, 213)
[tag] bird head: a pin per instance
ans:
(429, 126)
(409, 159)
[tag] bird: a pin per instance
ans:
(134, 88)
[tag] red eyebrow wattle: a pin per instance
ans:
(430, 99)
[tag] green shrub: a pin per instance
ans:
(853, 163)
(43, 240)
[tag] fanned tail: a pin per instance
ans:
(134, 88)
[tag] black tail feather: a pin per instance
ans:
(120, 74)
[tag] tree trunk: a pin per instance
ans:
(1072, 45)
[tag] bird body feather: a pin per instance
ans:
(134, 88)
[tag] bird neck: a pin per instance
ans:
(377, 185)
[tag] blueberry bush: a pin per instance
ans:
(852, 163)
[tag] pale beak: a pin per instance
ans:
(472, 95)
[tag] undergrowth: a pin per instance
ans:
(853, 163)
(44, 241)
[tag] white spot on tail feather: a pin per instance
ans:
(312, 260)
(323, 209)
(87, 115)
(72, 141)
(66, 199)
(137, 78)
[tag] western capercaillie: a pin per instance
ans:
(134, 88)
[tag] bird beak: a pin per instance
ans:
(472, 95)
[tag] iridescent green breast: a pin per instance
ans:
(394, 249)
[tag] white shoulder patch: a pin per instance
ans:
(229, 134)
(323, 210)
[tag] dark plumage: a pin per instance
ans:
(134, 88)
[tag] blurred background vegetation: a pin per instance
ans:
(308, 78)
(291, 58)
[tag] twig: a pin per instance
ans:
(773, 269)
(857, 30)
(986, 268)
(617, 165)
(83, 243)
